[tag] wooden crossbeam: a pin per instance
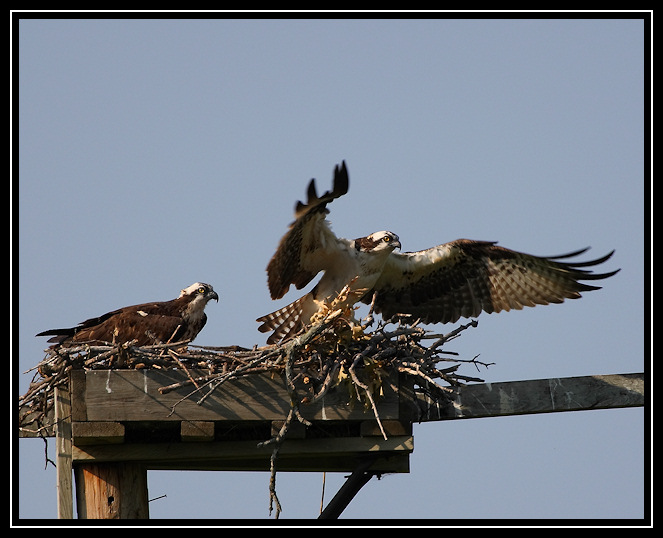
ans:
(533, 396)
(338, 454)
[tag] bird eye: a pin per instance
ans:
(387, 239)
(201, 290)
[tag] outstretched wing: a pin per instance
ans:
(307, 247)
(463, 278)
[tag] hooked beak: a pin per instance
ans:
(214, 296)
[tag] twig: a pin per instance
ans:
(177, 360)
(330, 376)
(368, 393)
(450, 336)
(369, 317)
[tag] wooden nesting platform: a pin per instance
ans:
(111, 426)
(120, 415)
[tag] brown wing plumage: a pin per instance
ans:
(303, 250)
(146, 324)
(123, 325)
(464, 278)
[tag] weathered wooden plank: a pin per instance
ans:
(63, 449)
(197, 431)
(126, 395)
(94, 433)
(77, 384)
(331, 454)
(537, 396)
(390, 427)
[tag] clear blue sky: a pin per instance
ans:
(157, 153)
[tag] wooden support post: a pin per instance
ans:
(111, 491)
(63, 449)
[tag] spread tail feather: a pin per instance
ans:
(289, 320)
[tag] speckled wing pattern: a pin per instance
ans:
(464, 277)
(307, 247)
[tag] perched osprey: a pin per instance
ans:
(150, 323)
(441, 284)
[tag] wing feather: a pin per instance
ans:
(464, 277)
(147, 323)
(309, 243)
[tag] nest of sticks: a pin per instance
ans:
(331, 351)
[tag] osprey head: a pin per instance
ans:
(378, 242)
(202, 290)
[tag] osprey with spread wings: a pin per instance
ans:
(441, 284)
(144, 324)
